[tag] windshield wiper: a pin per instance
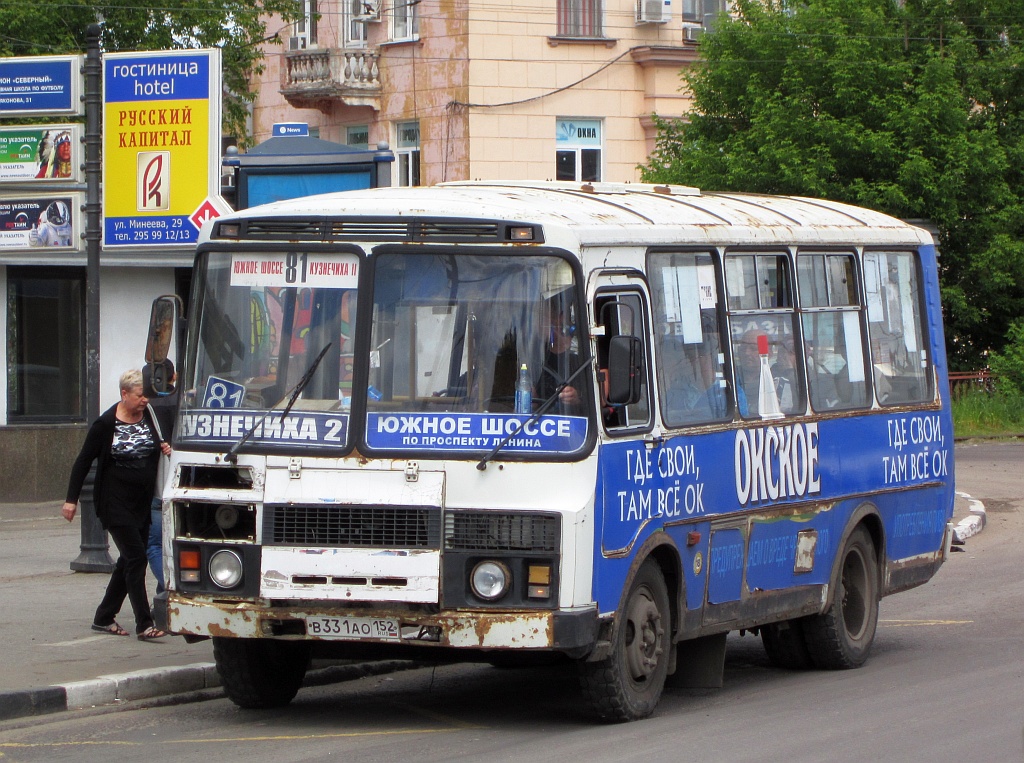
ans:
(232, 455)
(482, 465)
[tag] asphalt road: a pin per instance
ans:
(944, 683)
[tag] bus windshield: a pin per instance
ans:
(455, 334)
(262, 319)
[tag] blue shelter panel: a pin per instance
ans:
(264, 189)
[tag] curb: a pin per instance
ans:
(108, 690)
(161, 682)
(974, 523)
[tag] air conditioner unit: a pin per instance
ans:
(296, 43)
(653, 11)
(368, 10)
(692, 33)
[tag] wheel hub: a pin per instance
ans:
(644, 636)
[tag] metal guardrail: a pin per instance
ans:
(962, 382)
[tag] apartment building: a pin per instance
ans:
(486, 89)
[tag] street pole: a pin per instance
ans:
(94, 556)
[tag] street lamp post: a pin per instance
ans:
(94, 556)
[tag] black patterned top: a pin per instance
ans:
(132, 441)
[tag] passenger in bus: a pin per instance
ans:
(694, 392)
(747, 361)
(785, 375)
(820, 380)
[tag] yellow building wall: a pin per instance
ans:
(488, 80)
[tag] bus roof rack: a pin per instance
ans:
(586, 187)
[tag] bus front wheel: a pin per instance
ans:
(627, 685)
(842, 636)
(260, 673)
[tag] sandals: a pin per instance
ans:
(113, 629)
(152, 632)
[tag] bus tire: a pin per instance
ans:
(841, 637)
(260, 673)
(785, 645)
(626, 685)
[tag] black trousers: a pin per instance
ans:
(128, 578)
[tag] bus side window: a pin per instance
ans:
(688, 340)
(765, 342)
(833, 331)
(899, 355)
(622, 314)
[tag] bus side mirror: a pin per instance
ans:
(163, 322)
(625, 355)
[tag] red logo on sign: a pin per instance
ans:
(205, 213)
(153, 185)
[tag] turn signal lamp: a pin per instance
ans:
(539, 581)
(188, 564)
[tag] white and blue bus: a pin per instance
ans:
(605, 423)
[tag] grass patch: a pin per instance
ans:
(982, 414)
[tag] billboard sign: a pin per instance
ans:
(41, 222)
(39, 86)
(161, 146)
(30, 153)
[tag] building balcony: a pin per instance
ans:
(320, 78)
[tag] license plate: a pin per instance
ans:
(353, 628)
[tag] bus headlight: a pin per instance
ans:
(490, 580)
(226, 568)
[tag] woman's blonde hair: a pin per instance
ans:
(130, 379)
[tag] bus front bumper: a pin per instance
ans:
(568, 630)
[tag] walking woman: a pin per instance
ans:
(125, 444)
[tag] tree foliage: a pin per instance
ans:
(236, 27)
(915, 109)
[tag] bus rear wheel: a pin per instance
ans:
(841, 637)
(627, 685)
(260, 673)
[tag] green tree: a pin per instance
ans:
(236, 27)
(915, 109)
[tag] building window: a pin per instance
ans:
(358, 136)
(578, 150)
(354, 14)
(45, 343)
(406, 24)
(704, 12)
(305, 27)
(579, 18)
(407, 153)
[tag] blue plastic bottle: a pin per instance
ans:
(524, 391)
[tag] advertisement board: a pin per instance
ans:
(161, 146)
(44, 153)
(41, 86)
(41, 222)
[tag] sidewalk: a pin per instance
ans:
(53, 661)
(47, 613)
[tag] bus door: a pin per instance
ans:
(629, 508)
